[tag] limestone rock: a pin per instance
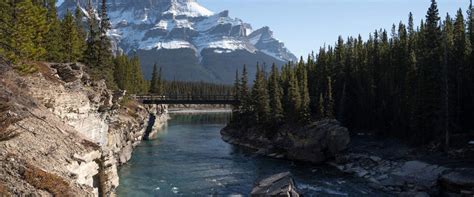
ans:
(69, 128)
(276, 185)
(69, 72)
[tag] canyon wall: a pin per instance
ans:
(66, 129)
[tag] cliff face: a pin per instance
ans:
(65, 128)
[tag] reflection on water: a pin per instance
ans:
(190, 159)
(204, 118)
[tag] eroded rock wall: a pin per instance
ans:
(70, 127)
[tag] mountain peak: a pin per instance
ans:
(188, 8)
(182, 33)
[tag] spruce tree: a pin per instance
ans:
(154, 80)
(53, 41)
(160, 82)
(28, 32)
(275, 95)
(304, 93)
(105, 53)
(293, 108)
(71, 40)
(92, 53)
(237, 86)
(329, 100)
(245, 99)
(6, 24)
(468, 95)
(236, 91)
(260, 97)
(430, 72)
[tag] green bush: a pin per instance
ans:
(26, 69)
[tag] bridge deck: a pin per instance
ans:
(188, 99)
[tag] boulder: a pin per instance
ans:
(69, 72)
(458, 181)
(317, 142)
(276, 185)
(419, 173)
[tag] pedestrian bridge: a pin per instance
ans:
(188, 99)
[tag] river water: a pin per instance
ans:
(189, 158)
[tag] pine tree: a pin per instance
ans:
(236, 90)
(329, 101)
(154, 80)
(302, 75)
(275, 95)
(237, 85)
(321, 108)
(105, 53)
(468, 91)
(53, 41)
(92, 53)
(260, 97)
(160, 82)
(293, 107)
(430, 73)
(28, 32)
(246, 103)
(6, 27)
(71, 40)
(78, 19)
(448, 84)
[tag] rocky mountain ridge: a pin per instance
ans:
(187, 40)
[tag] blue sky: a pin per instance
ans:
(305, 25)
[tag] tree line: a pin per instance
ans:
(31, 30)
(416, 83)
(184, 88)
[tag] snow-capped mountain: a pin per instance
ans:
(187, 40)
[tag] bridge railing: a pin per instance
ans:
(185, 97)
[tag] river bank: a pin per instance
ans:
(63, 133)
(393, 166)
(387, 164)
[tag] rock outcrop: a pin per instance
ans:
(406, 178)
(459, 181)
(315, 143)
(70, 130)
(276, 185)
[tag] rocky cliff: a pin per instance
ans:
(62, 133)
(315, 143)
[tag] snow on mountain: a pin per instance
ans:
(154, 25)
(187, 8)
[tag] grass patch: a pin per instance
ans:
(46, 181)
(26, 68)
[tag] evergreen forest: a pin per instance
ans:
(415, 82)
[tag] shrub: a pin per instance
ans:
(6, 121)
(46, 181)
(26, 69)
